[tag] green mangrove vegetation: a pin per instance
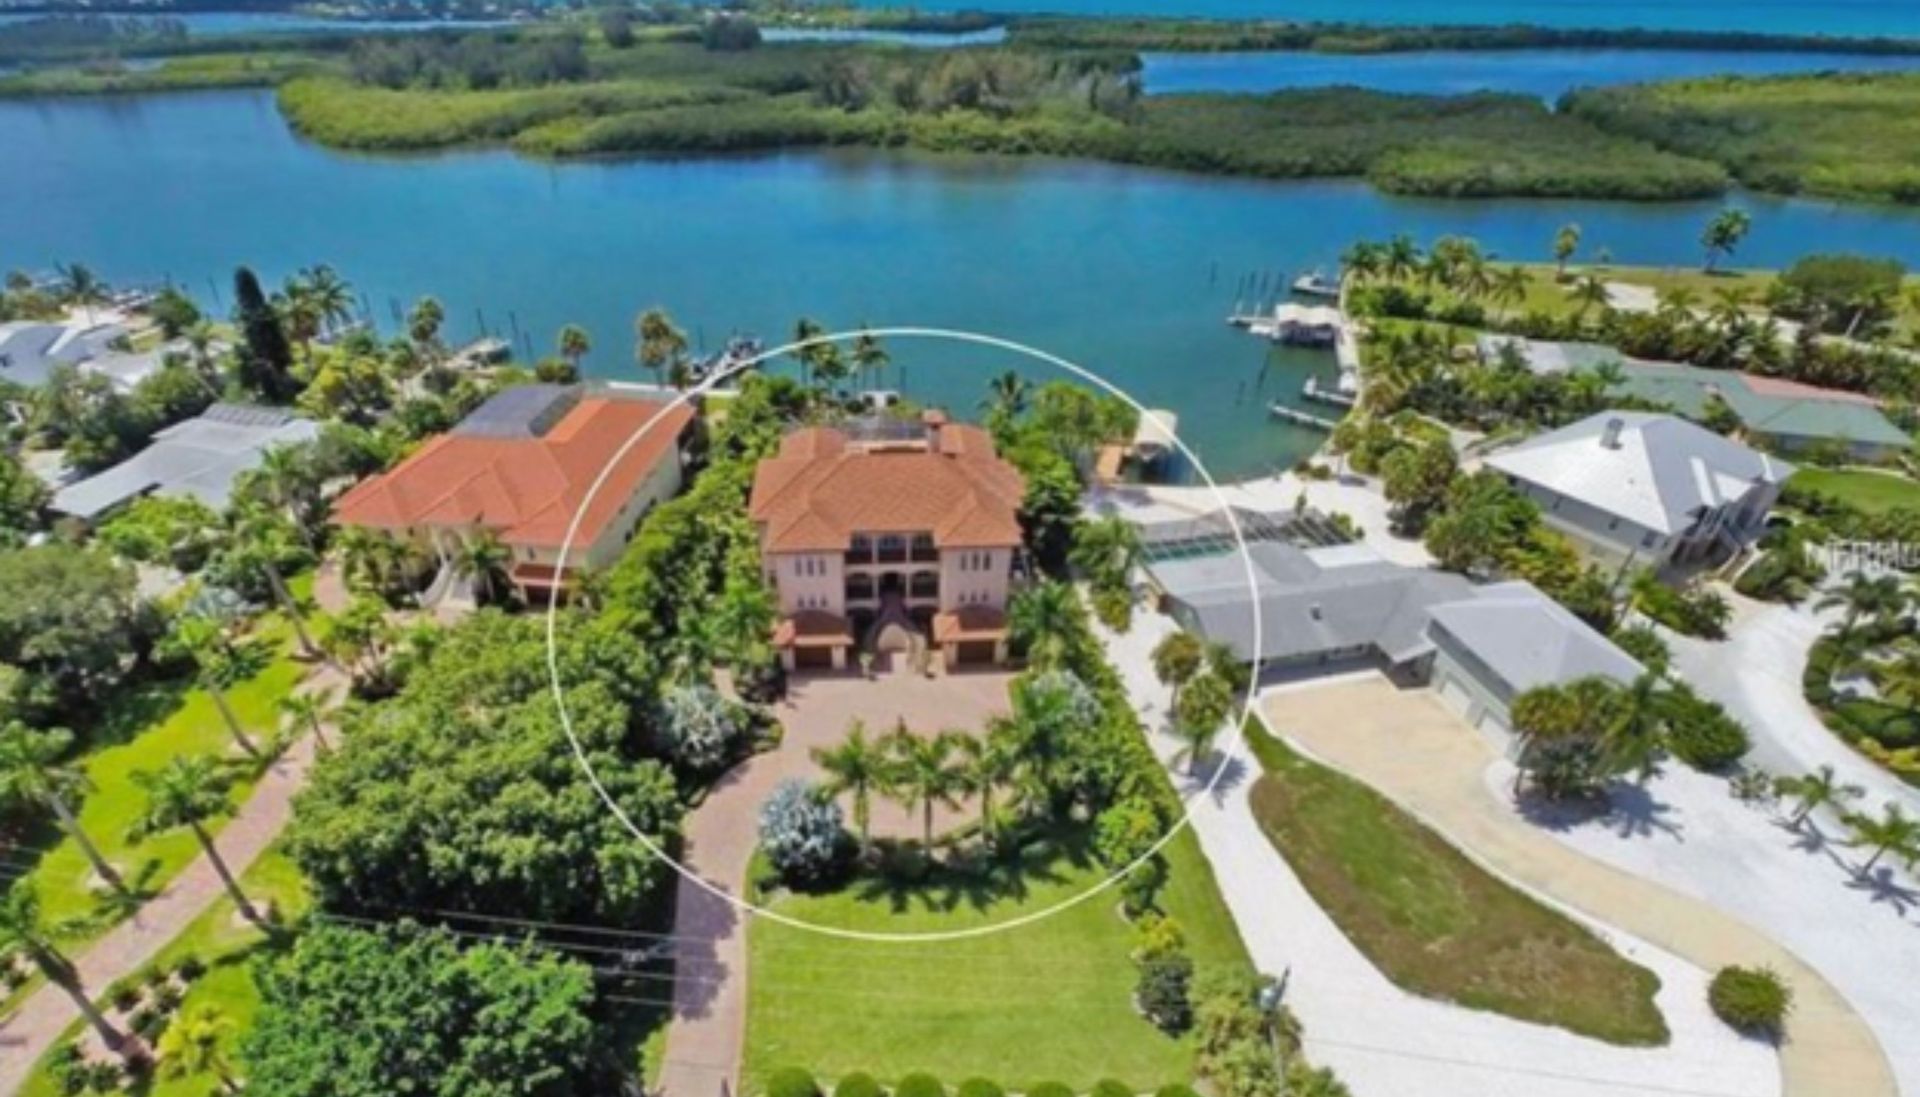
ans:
(1845, 135)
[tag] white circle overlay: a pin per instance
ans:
(1236, 740)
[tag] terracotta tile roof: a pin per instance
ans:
(524, 489)
(819, 490)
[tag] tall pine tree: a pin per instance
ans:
(266, 359)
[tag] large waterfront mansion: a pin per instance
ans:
(888, 535)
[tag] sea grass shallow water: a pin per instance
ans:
(1129, 271)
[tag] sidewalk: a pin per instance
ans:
(48, 1012)
(1385, 1042)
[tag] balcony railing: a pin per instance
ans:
(859, 556)
(925, 554)
(891, 555)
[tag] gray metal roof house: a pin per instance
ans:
(198, 457)
(29, 349)
(1315, 605)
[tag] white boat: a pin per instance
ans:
(1316, 284)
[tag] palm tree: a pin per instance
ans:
(192, 1045)
(482, 559)
(869, 358)
(191, 792)
(1863, 595)
(988, 763)
(1723, 234)
(423, 327)
(658, 343)
(266, 540)
(204, 641)
(1510, 286)
(924, 773)
(1565, 242)
(372, 559)
(1176, 659)
(806, 330)
(312, 709)
(857, 767)
(741, 619)
(1007, 396)
(287, 479)
(1105, 549)
(80, 286)
(1044, 619)
(1589, 292)
(1631, 740)
(300, 316)
(22, 929)
(574, 345)
(1820, 788)
(1203, 707)
(200, 341)
(32, 771)
(1362, 262)
(1893, 832)
(330, 295)
(1400, 259)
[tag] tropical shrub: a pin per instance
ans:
(1750, 999)
(802, 833)
(978, 1087)
(1699, 732)
(792, 1082)
(699, 729)
(1698, 612)
(1112, 1087)
(1050, 1089)
(1645, 645)
(1175, 1089)
(858, 1084)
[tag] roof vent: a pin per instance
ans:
(1610, 436)
(1313, 611)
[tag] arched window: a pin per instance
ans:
(925, 584)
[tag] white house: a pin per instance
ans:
(1650, 487)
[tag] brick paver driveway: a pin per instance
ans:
(705, 1040)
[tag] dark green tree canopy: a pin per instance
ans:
(463, 792)
(361, 1013)
(72, 621)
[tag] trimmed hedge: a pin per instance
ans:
(1109, 1087)
(1051, 1089)
(1175, 1090)
(792, 1082)
(858, 1084)
(919, 1084)
(979, 1087)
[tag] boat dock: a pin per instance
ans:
(1302, 418)
(1312, 391)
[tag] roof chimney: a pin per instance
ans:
(1610, 437)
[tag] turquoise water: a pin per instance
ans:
(1130, 272)
(1837, 17)
(988, 37)
(1543, 73)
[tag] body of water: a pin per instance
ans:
(1867, 18)
(213, 23)
(1130, 272)
(1544, 73)
(989, 37)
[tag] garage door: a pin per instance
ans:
(812, 657)
(1454, 695)
(976, 651)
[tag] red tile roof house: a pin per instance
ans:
(521, 466)
(881, 531)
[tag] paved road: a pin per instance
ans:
(1755, 673)
(1385, 1042)
(44, 1016)
(1410, 747)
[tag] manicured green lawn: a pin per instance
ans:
(226, 948)
(1874, 492)
(111, 809)
(1047, 1001)
(1434, 922)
